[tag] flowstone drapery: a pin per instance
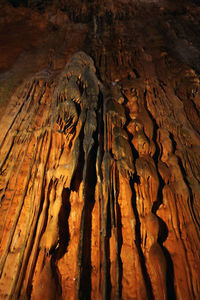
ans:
(99, 155)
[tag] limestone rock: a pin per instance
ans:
(99, 150)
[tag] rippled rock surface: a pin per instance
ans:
(99, 150)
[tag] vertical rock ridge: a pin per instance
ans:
(99, 152)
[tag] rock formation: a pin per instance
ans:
(99, 150)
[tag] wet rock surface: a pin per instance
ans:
(99, 150)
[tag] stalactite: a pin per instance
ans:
(99, 156)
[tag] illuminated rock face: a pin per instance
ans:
(99, 154)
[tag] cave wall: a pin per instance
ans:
(99, 150)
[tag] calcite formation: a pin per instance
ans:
(99, 150)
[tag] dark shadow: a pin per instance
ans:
(130, 135)
(171, 294)
(155, 128)
(57, 278)
(163, 231)
(173, 142)
(159, 201)
(17, 3)
(163, 234)
(156, 158)
(84, 257)
(64, 235)
(78, 174)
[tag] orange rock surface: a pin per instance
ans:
(99, 150)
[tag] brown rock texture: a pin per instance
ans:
(99, 150)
